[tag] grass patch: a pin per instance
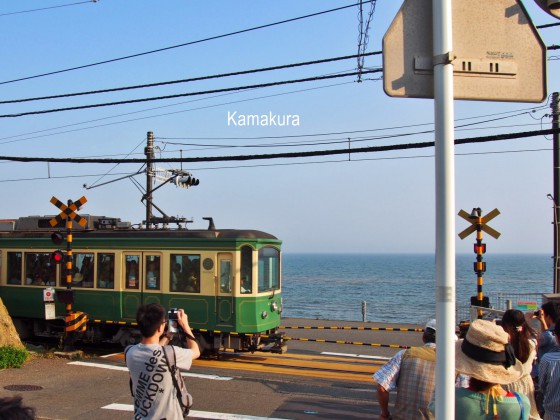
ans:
(12, 357)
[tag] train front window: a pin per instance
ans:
(185, 273)
(106, 271)
(39, 271)
(269, 269)
(14, 267)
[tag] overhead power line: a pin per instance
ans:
(192, 79)
(47, 8)
(242, 31)
(182, 95)
(372, 149)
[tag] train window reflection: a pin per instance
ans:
(185, 273)
(269, 269)
(14, 267)
(105, 271)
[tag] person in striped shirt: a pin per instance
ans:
(549, 380)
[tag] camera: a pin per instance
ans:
(536, 313)
(172, 323)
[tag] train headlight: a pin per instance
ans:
(274, 306)
(264, 315)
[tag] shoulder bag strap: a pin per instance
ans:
(172, 371)
(129, 377)
(520, 405)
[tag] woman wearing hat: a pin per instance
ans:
(486, 356)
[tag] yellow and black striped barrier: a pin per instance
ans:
(76, 322)
(352, 328)
(355, 343)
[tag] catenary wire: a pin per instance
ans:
(47, 8)
(192, 79)
(288, 155)
(182, 95)
(182, 45)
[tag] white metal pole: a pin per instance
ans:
(445, 210)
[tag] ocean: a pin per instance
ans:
(401, 287)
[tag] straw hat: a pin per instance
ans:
(485, 354)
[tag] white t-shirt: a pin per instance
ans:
(155, 396)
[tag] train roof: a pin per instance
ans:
(101, 226)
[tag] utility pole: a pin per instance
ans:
(149, 152)
(556, 162)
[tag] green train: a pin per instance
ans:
(228, 281)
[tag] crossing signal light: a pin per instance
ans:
(57, 256)
(480, 249)
(186, 181)
(57, 238)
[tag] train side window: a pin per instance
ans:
(132, 272)
(39, 271)
(269, 269)
(185, 273)
(82, 264)
(14, 267)
(246, 285)
(153, 272)
(106, 270)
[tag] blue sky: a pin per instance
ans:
(375, 202)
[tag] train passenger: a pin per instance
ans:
(486, 356)
(412, 372)
(549, 379)
(152, 275)
(524, 343)
(154, 393)
(176, 276)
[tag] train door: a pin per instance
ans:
(142, 280)
(224, 293)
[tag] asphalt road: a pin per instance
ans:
(94, 387)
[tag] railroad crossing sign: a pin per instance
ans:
(68, 211)
(479, 221)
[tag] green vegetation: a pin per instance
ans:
(12, 357)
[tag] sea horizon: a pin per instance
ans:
(400, 287)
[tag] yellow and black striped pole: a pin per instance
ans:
(479, 265)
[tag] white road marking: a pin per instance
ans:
(199, 414)
(362, 356)
(125, 369)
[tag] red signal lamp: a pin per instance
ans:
(480, 249)
(57, 256)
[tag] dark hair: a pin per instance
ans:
(557, 329)
(549, 308)
(429, 335)
(513, 320)
(149, 317)
(12, 409)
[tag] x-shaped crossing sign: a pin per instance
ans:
(482, 221)
(68, 212)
